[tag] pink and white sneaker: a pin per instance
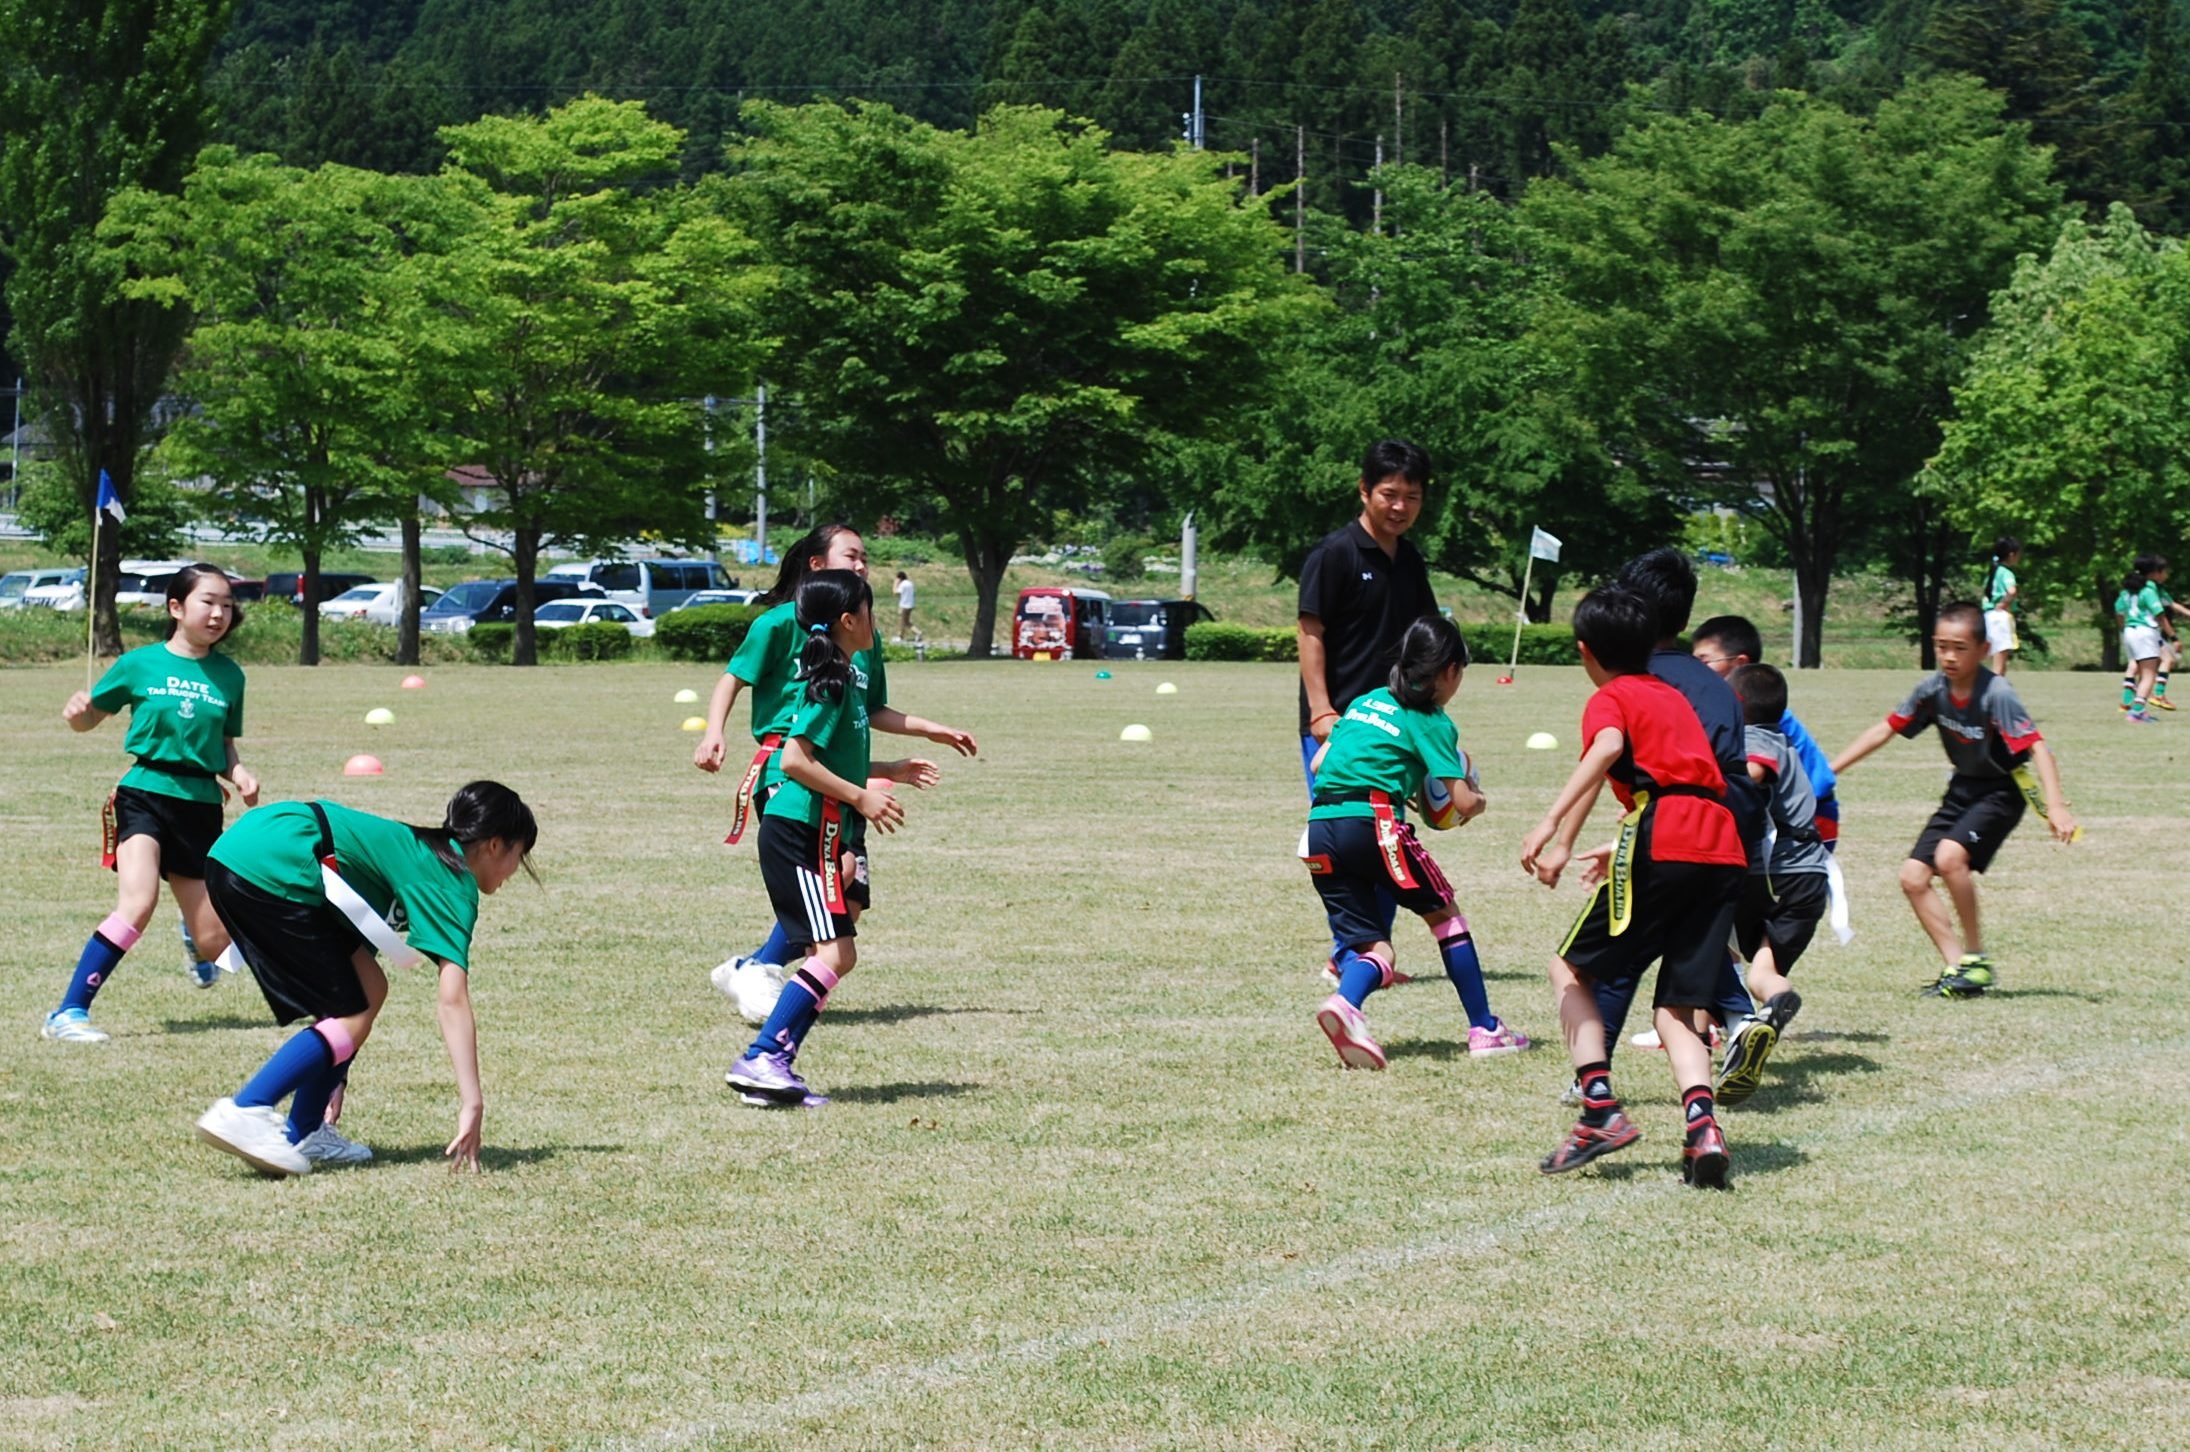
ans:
(1490, 1042)
(1348, 1030)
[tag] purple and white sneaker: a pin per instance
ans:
(769, 1076)
(811, 1101)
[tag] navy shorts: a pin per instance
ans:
(185, 830)
(1350, 877)
(1977, 813)
(1682, 914)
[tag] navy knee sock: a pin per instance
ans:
(298, 1062)
(308, 1110)
(1465, 968)
(774, 948)
(102, 954)
(1358, 976)
(796, 1010)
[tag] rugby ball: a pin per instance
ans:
(1439, 811)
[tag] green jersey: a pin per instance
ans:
(1380, 745)
(1998, 586)
(836, 732)
(2143, 610)
(181, 713)
(272, 848)
(767, 661)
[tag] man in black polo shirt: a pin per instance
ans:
(1360, 588)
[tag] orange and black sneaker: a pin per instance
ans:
(1704, 1161)
(1585, 1142)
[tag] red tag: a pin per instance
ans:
(768, 745)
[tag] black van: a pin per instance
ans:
(1151, 629)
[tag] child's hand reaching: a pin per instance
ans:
(912, 771)
(880, 809)
(1597, 864)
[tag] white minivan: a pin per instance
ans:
(651, 587)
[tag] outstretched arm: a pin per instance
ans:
(1878, 735)
(461, 1035)
(707, 756)
(1550, 843)
(801, 765)
(897, 723)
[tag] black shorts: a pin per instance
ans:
(1683, 913)
(185, 829)
(300, 954)
(1977, 813)
(1350, 877)
(790, 861)
(1783, 911)
(859, 886)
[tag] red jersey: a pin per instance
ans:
(1666, 748)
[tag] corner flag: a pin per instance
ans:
(1543, 546)
(111, 503)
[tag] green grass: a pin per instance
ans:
(1092, 1179)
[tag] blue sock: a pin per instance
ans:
(308, 1111)
(303, 1059)
(97, 964)
(794, 1015)
(1465, 970)
(773, 950)
(1358, 977)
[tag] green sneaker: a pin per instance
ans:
(1975, 972)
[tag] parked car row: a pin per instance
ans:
(1061, 622)
(649, 587)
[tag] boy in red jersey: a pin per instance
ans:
(1665, 889)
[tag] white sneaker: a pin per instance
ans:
(257, 1136)
(326, 1145)
(754, 988)
(1647, 1039)
(72, 1026)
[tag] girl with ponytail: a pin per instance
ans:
(307, 891)
(1999, 602)
(813, 854)
(2148, 642)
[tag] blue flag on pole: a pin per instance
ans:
(109, 501)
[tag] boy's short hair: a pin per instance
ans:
(1966, 613)
(1387, 457)
(1735, 635)
(1665, 579)
(1619, 627)
(1763, 692)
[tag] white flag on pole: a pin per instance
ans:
(1543, 545)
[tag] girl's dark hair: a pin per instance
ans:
(2141, 573)
(481, 811)
(2005, 545)
(185, 580)
(823, 596)
(798, 563)
(1430, 644)
(1620, 627)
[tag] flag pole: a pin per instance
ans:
(1520, 616)
(91, 594)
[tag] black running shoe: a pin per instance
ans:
(1781, 1009)
(1584, 1143)
(1705, 1163)
(1741, 1071)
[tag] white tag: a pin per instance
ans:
(1836, 882)
(369, 924)
(1302, 852)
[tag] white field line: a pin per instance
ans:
(884, 1382)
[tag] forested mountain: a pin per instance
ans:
(1486, 89)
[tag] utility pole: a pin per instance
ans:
(1376, 198)
(15, 453)
(1254, 167)
(707, 432)
(760, 470)
(1300, 199)
(1399, 120)
(1444, 152)
(1195, 130)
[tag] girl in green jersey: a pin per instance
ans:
(306, 890)
(185, 703)
(766, 665)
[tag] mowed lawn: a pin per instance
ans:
(1091, 1179)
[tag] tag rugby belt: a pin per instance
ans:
(1391, 833)
(744, 808)
(371, 926)
(108, 827)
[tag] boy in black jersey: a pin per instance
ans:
(1995, 748)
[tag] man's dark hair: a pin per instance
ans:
(1965, 614)
(1763, 692)
(1619, 627)
(1664, 578)
(1395, 456)
(1735, 636)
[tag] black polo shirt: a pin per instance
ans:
(1719, 710)
(1366, 600)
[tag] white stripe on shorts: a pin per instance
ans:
(819, 920)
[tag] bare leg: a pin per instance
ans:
(1579, 1022)
(1954, 871)
(1931, 913)
(1765, 979)
(137, 879)
(1685, 1048)
(206, 928)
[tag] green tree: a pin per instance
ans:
(591, 309)
(309, 424)
(2038, 58)
(1772, 312)
(2069, 430)
(988, 322)
(96, 96)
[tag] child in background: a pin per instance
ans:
(305, 889)
(766, 663)
(1389, 745)
(1992, 744)
(2147, 636)
(812, 849)
(185, 701)
(1787, 890)
(2000, 601)
(1664, 889)
(1725, 643)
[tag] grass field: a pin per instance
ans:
(1091, 1178)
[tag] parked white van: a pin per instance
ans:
(651, 587)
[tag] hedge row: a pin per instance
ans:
(493, 642)
(1216, 640)
(705, 632)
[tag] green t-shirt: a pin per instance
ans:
(1380, 745)
(272, 849)
(2143, 610)
(837, 733)
(1998, 586)
(181, 713)
(767, 661)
